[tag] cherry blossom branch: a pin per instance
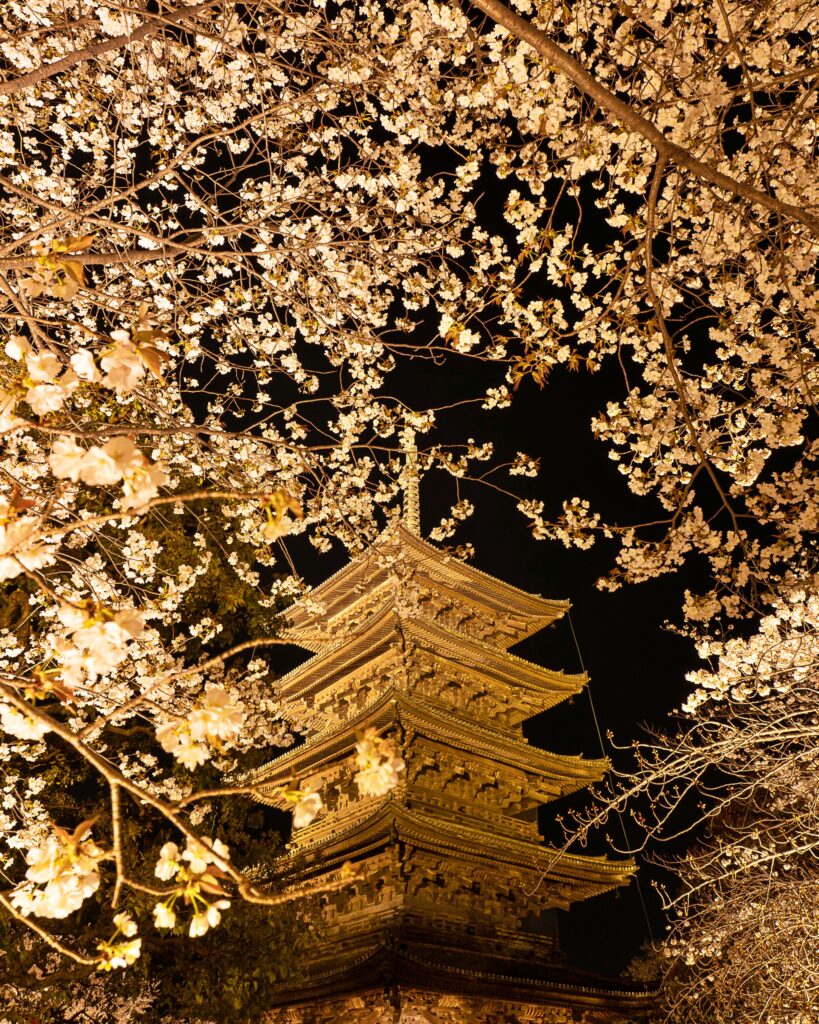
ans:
(149, 890)
(22, 82)
(252, 895)
(116, 840)
(42, 583)
(208, 794)
(626, 115)
(172, 499)
(112, 716)
(217, 659)
(27, 317)
(192, 670)
(770, 857)
(111, 774)
(117, 781)
(668, 348)
(68, 216)
(167, 250)
(669, 769)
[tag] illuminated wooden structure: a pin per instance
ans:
(452, 920)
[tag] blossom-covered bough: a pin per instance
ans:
(744, 761)
(227, 227)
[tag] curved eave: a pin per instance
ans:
(591, 875)
(408, 973)
(317, 635)
(338, 741)
(453, 575)
(389, 629)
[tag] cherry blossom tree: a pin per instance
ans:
(227, 228)
(240, 225)
(740, 773)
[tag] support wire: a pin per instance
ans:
(603, 752)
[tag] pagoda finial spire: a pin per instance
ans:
(412, 509)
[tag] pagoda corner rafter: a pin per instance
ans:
(452, 915)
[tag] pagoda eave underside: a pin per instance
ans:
(576, 876)
(391, 639)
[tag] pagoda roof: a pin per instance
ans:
(405, 974)
(390, 628)
(567, 773)
(579, 876)
(524, 613)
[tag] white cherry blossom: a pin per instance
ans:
(200, 855)
(164, 917)
(218, 717)
(176, 739)
(17, 347)
(66, 458)
(202, 922)
(62, 873)
(119, 954)
(121, 364)
(379, 769)
(98, 467)
(47, 398)
(82, 363)
(125, 924)
(42, 366)
(141, 484)
(24, 727)
(308, 805)
(19, 545)
(169, 862)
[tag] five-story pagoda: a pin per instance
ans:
(451, 918)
